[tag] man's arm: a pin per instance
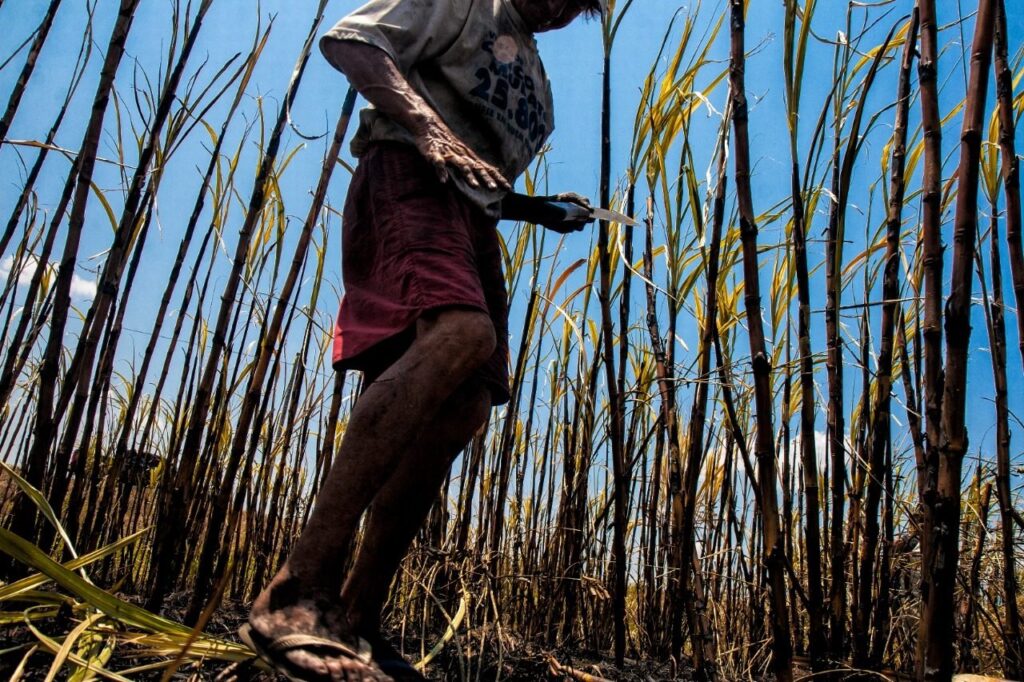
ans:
(372, 72)
(541, 210)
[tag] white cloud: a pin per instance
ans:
(820, 441)
(25, 276)
(820, 448)
(82, 288)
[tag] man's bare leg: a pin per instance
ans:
(390, 414)
(403, 504)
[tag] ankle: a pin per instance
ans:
(288, 589)
(367, 626)
(361, 618)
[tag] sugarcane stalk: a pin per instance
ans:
(76, 187)
(880, 432)
(41, 34)
(764, 448)
(935, 652)
(931, 326)
(793, 63)
(1013, 659)
(166, 557)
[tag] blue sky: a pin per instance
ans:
(573, 58)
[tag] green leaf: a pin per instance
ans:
(125, 613)
(40, 501)
(23, 587)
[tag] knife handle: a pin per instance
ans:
(570, 212)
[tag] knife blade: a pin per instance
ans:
(612, 216)
(578, 212)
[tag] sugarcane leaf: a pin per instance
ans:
(52, 646)
(107, 208)
(24, 586)
(41, 503)
(19, 671)
(121, 611)
(69, 643)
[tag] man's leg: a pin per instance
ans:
(401, 507)
(384, 424)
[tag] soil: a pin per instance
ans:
(519, 661)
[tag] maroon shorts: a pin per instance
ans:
(410, 245)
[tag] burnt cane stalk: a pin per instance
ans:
(15, 99)
(701, 635)
(880, 432)
(42, 32)
(1011, 164)
(669, 424)
(77, 190)
(931, 327)
(167, 544)
(508, 432)
(17, 344)
(997, 333)
(843, 165)
(764, 445)
(1013, 662)
(937, 609)
(835, 416)
(616, 408)
(968, 631)
(808, 456)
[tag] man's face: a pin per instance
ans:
(548, 15)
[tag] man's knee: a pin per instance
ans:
(480, 336)
(468, 334)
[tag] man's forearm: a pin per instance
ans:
(376, 77)
(545, 210)
(521, 207)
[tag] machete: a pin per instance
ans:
(578, 212)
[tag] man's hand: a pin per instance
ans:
(542, 210)
(439, 145)
(576, 225)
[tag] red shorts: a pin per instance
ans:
(411, 244)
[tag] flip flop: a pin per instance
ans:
(392, 663)
(272, 651)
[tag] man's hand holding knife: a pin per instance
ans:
(563, 213)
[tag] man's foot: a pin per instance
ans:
(308, 640)
(390, 660)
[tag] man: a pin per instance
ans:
(460, 107)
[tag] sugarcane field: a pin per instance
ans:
(496, 340)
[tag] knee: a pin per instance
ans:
(468, 334)
(481, 338)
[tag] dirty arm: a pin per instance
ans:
(372, 72)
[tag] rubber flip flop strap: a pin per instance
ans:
(286, 643)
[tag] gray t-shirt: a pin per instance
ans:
(476, 63)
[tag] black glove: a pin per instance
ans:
(545, 211)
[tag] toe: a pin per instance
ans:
(313, 664)
(336, 670)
